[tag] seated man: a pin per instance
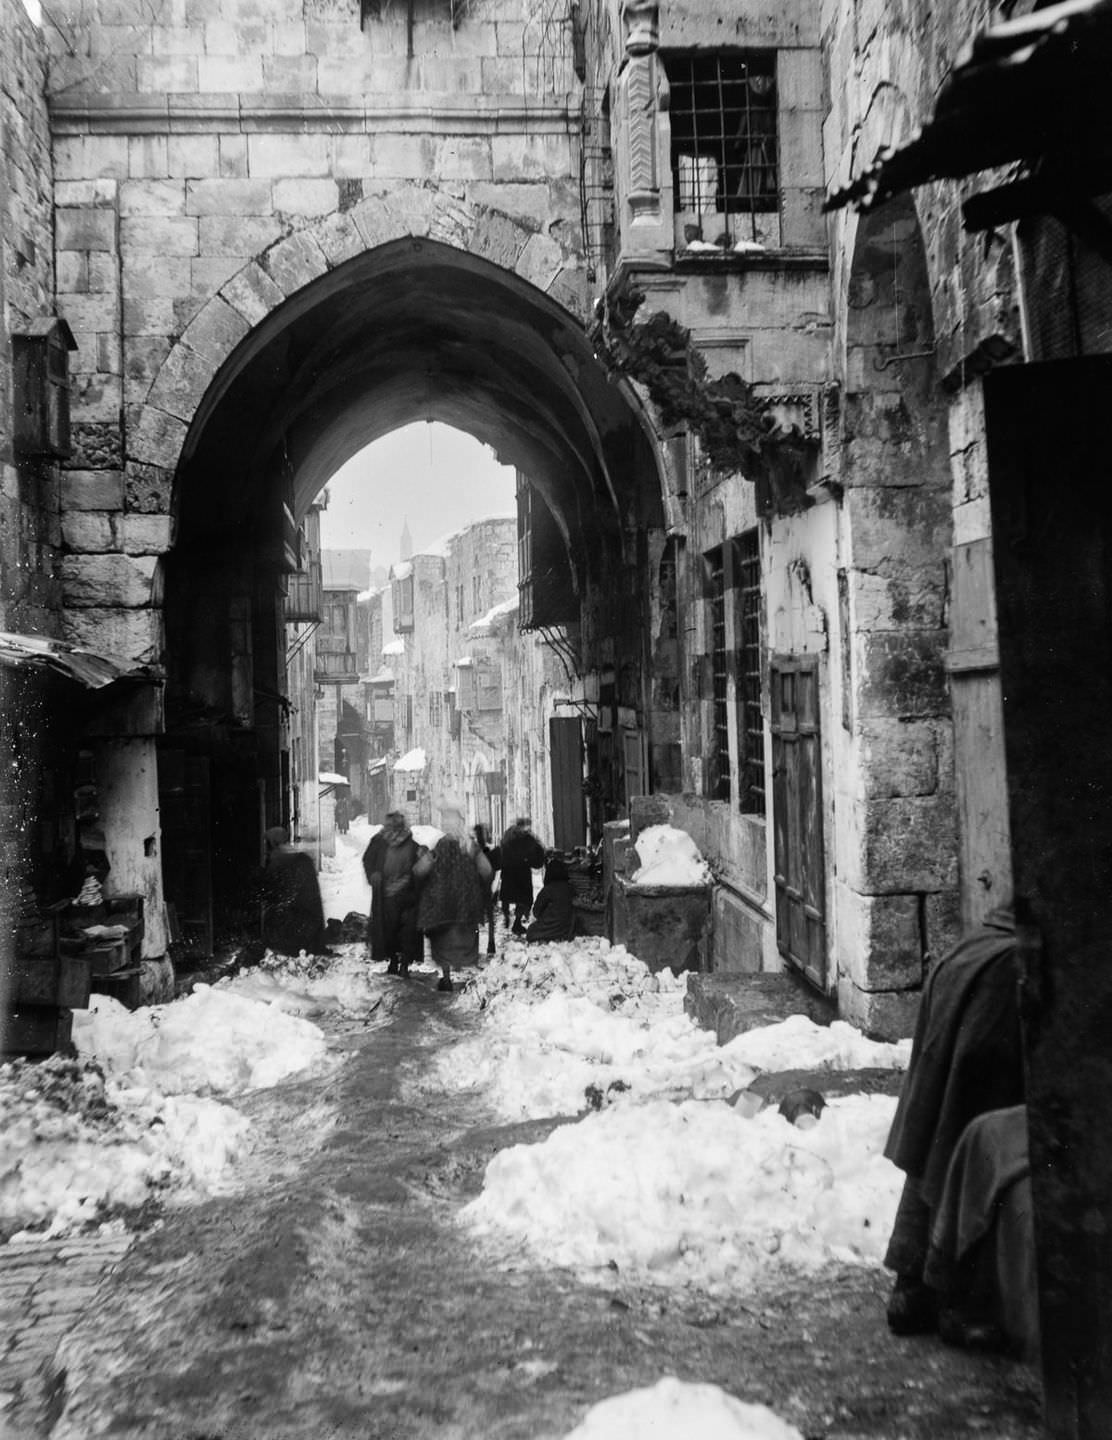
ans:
(554, 907)
(965, 1060)
(981, 1260)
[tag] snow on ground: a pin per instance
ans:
(678, 1410)
(343, 885)
(669, 857)
(660, 1177)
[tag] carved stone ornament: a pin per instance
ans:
(640, 26)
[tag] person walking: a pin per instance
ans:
(388, 863)
(494, 860)
(451, 905)
(522, 853)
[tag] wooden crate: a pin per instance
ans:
(60, 980)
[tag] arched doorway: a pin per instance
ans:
(411, 330)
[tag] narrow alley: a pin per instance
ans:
(333, 1289)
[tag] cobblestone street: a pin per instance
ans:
(335, 1298)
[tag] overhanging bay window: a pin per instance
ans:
(544, 574)
(725, 161)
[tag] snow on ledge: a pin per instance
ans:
(669, 857)
(412, 760)
(395, 647)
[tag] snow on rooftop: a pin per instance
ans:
(442, 548)
(402, 571)
(395, 647)
(497, 612)
(328, 777)
(464, 662)
(384, 677)
(415, 759)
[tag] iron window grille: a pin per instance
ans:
(750, 718)
(720, 739)
(724, 136)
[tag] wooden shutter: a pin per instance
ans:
(797, 816)
(185, 818)
(569, 821)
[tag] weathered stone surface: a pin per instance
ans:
(143, 534)
(879, 939)
(666, 927)
(155, 437)
(216, 331)
(252, 293)
(902, 845)
(294, 262)
(152, 197)
(228, 197)
(902, 674)
(540, 261)
(107, 580)
(732, 1004)
(95, 445)
(148, 489)
(305, 197)
(247, 236)
(92, 490)
(499, 239)
(943, 921)
(279, 156)
(882, 1015)
(159, 234)
(339, 238)
(134, 635)
(899, 757)
(87, 531)
(85, 229)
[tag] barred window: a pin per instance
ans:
(750, 719)
(434, 707)
(719, 776)
(724, 140)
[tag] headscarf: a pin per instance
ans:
(277, 835)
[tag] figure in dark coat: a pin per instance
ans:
(553, 907)
(965, 1060)
(292, 912)
(453, 879)
(388, 864)
(493, 856)
(522, 853)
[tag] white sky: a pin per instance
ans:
(438, 477)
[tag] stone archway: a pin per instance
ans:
(256, 418)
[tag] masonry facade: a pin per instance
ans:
(754, 521)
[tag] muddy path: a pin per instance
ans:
(336, 1296)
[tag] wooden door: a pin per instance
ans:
(184, 798)
(979, 767)
(799, 854)
(633, 757)
(569, 822)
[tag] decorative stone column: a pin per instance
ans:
(643, 164)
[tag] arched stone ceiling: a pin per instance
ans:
(416, 330)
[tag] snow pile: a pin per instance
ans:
(799, 1044)
(589, 967)
(211, 1042)
(343, 885)
(669, 857)
(486, 625)
(401, 571)
(78, 1147)
(696, 1193)
(394, 647)
(311, 985)
(677, 1410)
(415, 759)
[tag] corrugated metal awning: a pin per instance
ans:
(1034, 91)
(37, 652)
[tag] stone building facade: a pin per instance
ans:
(754, 517)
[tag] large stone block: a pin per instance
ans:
(540, 261)
(147, 156)
(898, 757)
(339, 238)
(882, 1015)
(91, 313)
(228, 197)
(252, 293)
(152, 197)
(85, 229)
(880, 941)
(530, 157)
(902, 845)
(118, 581)
(143, 534)
(208, 273)
(134, 635)
(182, 382)
(464, 157)
(410, 157)
(159, 235)
(167, 74)
(75, 193)
(295, 261)
(943, 921)
(192, 155)
(276, 157)
(143, 359)
(218, 74)
(894, 531)
(233, 157)
(155, 437)
(290, 74)
(916, 600)
(499, 239)
(216, 332)
(245, 237)
(305, 197)
(901, 674)
(87, 531)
